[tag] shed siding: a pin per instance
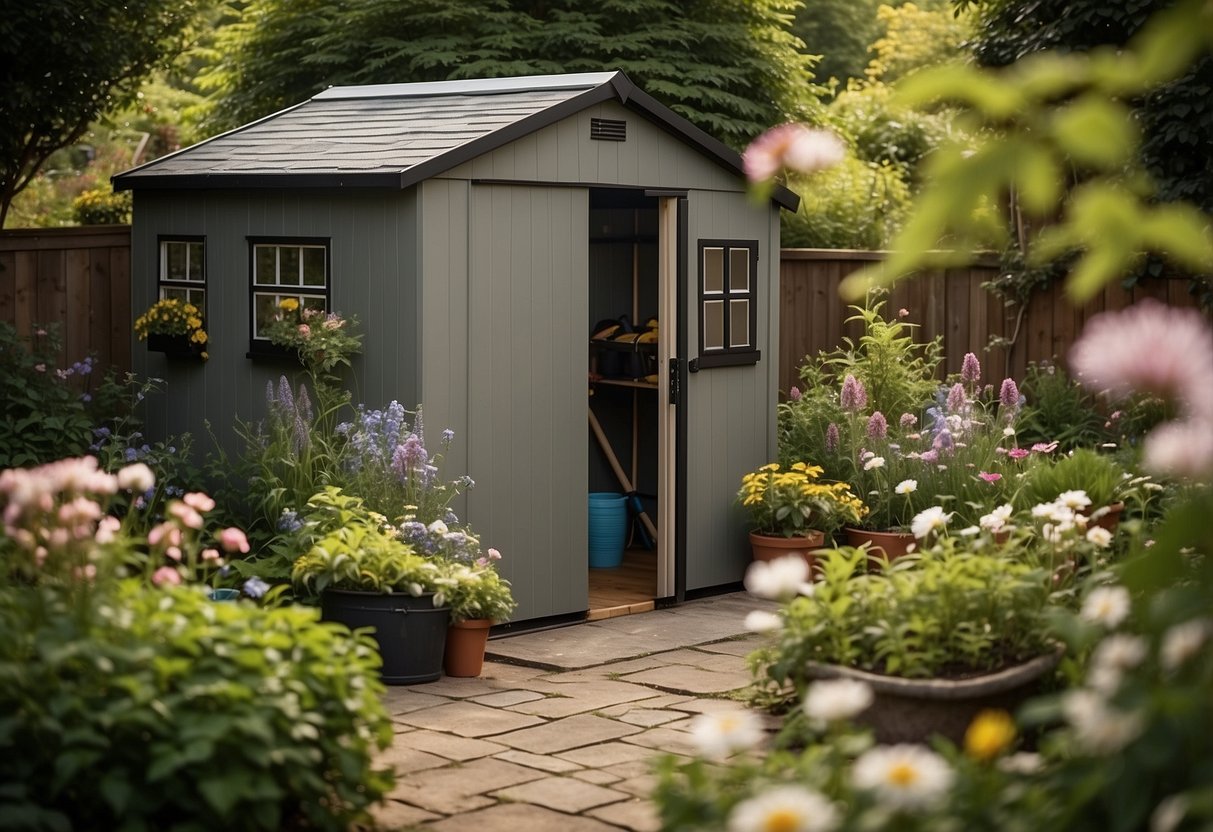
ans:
(730, 410)
(564, 152)
(373, 275)
(526, 389)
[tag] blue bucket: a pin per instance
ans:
(608, 529)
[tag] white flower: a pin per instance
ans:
(1100, 536)
(970, 531)
(874, 462)
(903, 776)
(780, 578)
(136, 478)
(1106, 605)
(790, 808)
(1008, 431)
(1169, 813)
(929, 520)
(832, 700)
(1099, 729)
(1183, 641)
(437, 527)
(1114, 655)
(997, 519)
(760, 621)
(1021, 762)
(906, 487)
(1073, 500)
(718, 735)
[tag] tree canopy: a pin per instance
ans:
(732, 67)
(69, 61)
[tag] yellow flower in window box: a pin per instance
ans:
(173, 327)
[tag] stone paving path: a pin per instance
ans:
(559, 731)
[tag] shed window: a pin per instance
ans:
(183, 270)
(284, 269)
(728, 302)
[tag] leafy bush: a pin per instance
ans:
(883, 134)
(855, 204)
(1060, 410)
(1081, 470)
(101, 206)
(162, 709)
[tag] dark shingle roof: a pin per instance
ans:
(395, 135)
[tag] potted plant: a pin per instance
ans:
(366, 577)
(792, 511)
(938, 635)
(173, 327)
(479, 597)
(1097, 475)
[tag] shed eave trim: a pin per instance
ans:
(221, 181)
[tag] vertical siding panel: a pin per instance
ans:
(101, 323)
(568, 163)
(8, 286)
(547, 156)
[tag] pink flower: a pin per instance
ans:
(198, 500)
(854, 397)
(88, 572)
(1008, 395)
(233, 540)
(878, 427)
(494, 554)
(211, 554)
(333, 323)
(832, 437)
(791, 146)
(187, 516)
(173, 553)
(166, 575)
(908, 420)
(137, 478)
(41, 368)
(106, 529)
(957, 398)
(1044, 447)
(988, 477)
(166, 533)
(794, 394)
(970, 369)
(1017, 453)
(1183, 448)
(305, 330)
(930, 456)
(903, 313)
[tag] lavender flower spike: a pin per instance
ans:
(970, 369)
(1008, 395)
(832, 437)
(957, 400)
(878, 426)
(854, 397)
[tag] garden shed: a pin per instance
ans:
(482, 231)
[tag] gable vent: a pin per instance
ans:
(608, 130)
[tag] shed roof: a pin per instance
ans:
(396, 135)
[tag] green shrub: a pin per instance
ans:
(1059, 410)
(854, 204)
(1082, 470)
(101, 206)
(161, 709)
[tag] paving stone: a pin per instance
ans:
(708, 706)
(461, 788)
(664, 739)
(564, 734)
(607, 670)
(595, 776)
(636, 815)
(564, 794)
(632, 768)
(506, 698)
(543, 762)
(740, 647)
(580, 697)
(405, 759)
(664, 700)
(392, 814)
(513, 673)
(402, 700)
(607, 754)
(680, 678)
(695, 657)
(459, 749)
(461, 688)
(647, 718)
(467, 719)
(641, 786)
(512, 817)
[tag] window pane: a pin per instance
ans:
(288, 265)
(713, 325)
(713, 270)
(196, 270)
(313, 266)
(196, 297)
(739, 323)
(265, 307)
(174, 259)
(313, 302)
(265, 259)
(173, 293)
(739, 269)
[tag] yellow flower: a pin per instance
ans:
(288, 304)
(205, 355)
(770, 466)
(990, 733)
(193, 323)
(199, 336)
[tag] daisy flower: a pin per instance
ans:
(718, 735)
(929, 520)
(1106, 605)
(784, 809)
(903, 776)
(831, 700)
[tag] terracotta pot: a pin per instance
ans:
(466, 642)
(890, 545)
(914, 710)
(1110, 519)
(772, 547)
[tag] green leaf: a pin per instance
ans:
(1095, 131)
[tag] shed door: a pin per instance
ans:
(527, 369)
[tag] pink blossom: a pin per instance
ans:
(173, 553)
(41, 368)
(903, 313)
(137, 478)
(188, 517)
(106, 530)
(1183, 448)
(930, 456)
(332, 323)
(167, 533)
(88, 572)
(1044, 447)
(791, 146)
(970, 369)
(878, 427)
(1008, 395)
(908, 420)
(854, 397)
(198, 500)
(233, 540)
(494, 554)
(988, 477)
(210, 554)
(1017, 453)
(794, 394)
(832, 437)
(166, 575)
(305, 331)
(482, 562)
(957, 398)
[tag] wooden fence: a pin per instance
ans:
(77, 278)
(951, 303)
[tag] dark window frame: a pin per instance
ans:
(261, 346)
(728, 356)
(163, 283)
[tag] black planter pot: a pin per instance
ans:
(410, 632)
(173, 346)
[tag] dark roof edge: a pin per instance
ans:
(120, 181)
(285, 180)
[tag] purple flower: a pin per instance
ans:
(943, 441)
(448, 436)
(930, 456)
(878, 427)
(957, 400)
(854, 396)
(832, 437)
(908, 420)
(970, 369)
(794, 394)
(254, 587)
(410, 457)
(1008, 395)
